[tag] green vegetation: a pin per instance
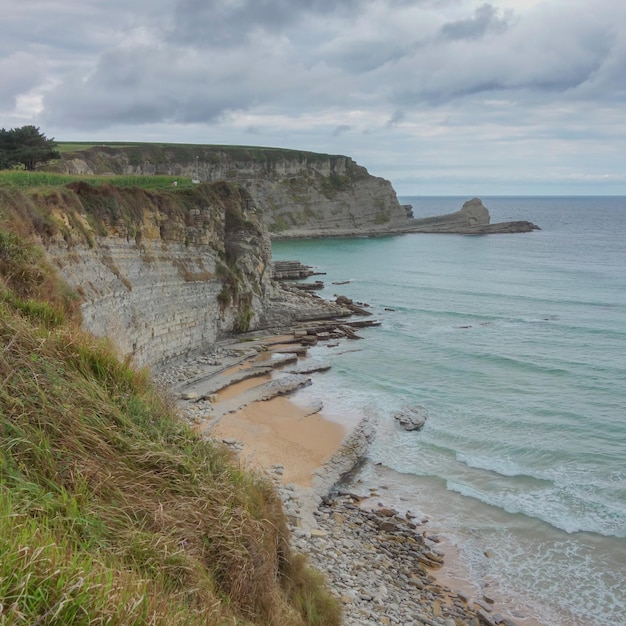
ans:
(26, 147)
(331, 185)
(279, 224)
(225, 296)
(69, 206)
(382, 217)
(246, 312)
(158, 152)
(19, 179)
(112, 511)
(66, 146)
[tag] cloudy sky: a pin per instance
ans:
(446, 97)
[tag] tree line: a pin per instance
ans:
(25, 146)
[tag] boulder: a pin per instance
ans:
(412, 418)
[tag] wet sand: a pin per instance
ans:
(232, 391)
(279, 432)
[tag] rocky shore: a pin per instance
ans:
(380, 562)
(381, 565)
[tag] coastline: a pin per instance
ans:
(355, 540)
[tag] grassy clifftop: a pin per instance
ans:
(162, 152)
(111, 510)
(298, 193)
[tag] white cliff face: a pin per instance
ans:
(162, 279)
(146, 300)
(300, 194)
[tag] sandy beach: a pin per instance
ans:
(279, 432)
(247, 407)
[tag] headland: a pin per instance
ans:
(181, 281)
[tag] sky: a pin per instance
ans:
(441, 97)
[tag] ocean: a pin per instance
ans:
(515, 347)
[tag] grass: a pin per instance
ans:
(257, 153)
(69, 146)
(21, 179)
(112, 511)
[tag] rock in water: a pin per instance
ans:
(472, 219)
(475, 213)
(412, 418)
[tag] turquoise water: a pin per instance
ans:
(515, 345)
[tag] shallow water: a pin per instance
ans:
(515, 345)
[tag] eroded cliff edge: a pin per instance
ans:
(163, 275)
(299, 193)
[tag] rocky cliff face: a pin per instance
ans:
(299, 194)
(166, 274)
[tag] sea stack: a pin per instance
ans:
(474, 213)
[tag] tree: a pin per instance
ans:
(7, 150)
(27, 146)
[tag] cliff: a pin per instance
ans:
(299, 194)
(112, 511)
(164, 274)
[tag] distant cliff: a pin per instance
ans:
(299, 194)
(163, 274)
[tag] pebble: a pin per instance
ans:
(377, 570)
(378, 564)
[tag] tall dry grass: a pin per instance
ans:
(111, 510)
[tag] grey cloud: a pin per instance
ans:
(65, 26)
(365, 56)
(308, 54)
(341, 129)
(355, 75)
(485, 20)
(608, 80)
(547, 54)
(146, 84)
(221, 22)
(20, 73)
(397, 117)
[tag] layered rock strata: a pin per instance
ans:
(291, 270)
(166, 275)
(301, 194)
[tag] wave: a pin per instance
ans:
(523, 300)
(560, 508)
(502, 467)
(561, 580)
(526, 401)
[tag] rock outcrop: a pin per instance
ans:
(291, 270)
(412, 418)
(165, 275)
(472, 219)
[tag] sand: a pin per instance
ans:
(279, 432)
